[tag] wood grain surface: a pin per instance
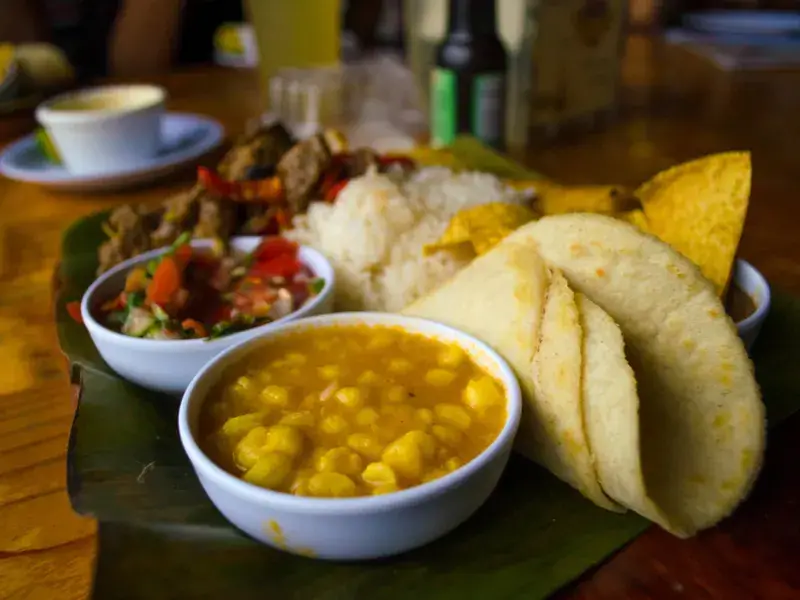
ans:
(675, 108)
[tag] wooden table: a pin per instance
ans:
(675, 108)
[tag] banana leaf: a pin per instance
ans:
(160, 536)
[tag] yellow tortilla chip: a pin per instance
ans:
(635, 217)
(552, 199)
(699, 208)
(481, 227)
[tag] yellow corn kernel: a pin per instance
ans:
(250, 448)
(334, 424)
(295, 359)
(284, 439)
(302, 419)
(365, 444)
(270, 471)
(366, 416)
(395, 393)
(451, 357)
(278, 365)
(400, 366)
(351, 397)
(378, 473)
(379, 341)
(333, 485)
(439, 377)
(481, 394)
(369, 378)
(451, 464)
(425, 441)
(330, 372)
(237, 427)
(340, 460)
(424, 416)
(275, 395)
(244, 385)
(324, 344)
(261, 377)
(453, 415)
(447, 435)
(386, 488)
(299, 485)
(433, 475)
(404, 456)
(318, 453)
(309, 402)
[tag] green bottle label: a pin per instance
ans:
(444, 107)
(488, 107)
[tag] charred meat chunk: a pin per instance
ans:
(256, 153)
(360, 161)
(128, 237)
(300, 170)
(216, 218)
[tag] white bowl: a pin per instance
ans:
(353, 528)
(123, 131)
(754, 284)
(169, 365)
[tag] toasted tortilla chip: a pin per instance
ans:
(699, 208)
(500, 299)
(702, 419)
(635, 217)
(611, 412)
(481, 227)
(553, 199)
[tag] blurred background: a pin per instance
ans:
(367, 66)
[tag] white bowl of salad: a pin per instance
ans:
(158, 318)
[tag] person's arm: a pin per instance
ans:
(144, 37)
(23, 21)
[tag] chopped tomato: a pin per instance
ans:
(194, 326)
(285, 266)
(117, 303)
(166, 282)
(74, 311)
(273, 247)
(183, 253)
(334, 190)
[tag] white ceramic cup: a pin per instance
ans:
(106, 129)
(353, 528)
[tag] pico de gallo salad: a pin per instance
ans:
(192, 293)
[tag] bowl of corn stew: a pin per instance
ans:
(351, 436)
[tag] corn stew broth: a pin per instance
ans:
(351, 411)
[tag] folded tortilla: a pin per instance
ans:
(701, 416)
(510, 300)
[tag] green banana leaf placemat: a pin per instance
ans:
(160, 537)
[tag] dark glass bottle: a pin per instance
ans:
(468, 84)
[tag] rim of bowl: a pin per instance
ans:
(98, 328)
(340, 506)
(762, 308)
(47, 111)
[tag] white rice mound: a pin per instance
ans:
(375, 232)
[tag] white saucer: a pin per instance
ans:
(745, 22)
(185, 138)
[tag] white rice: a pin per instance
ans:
(375, 231)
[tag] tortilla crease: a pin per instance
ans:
(560, 441)
(500, 299)
(611, 412)
(699, 208)
(701, 416)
